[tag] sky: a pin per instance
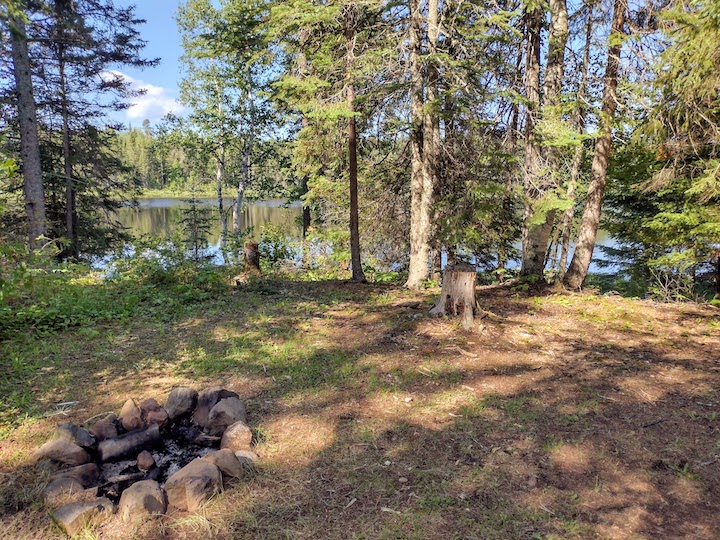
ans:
(161, 82)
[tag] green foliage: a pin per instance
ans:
(275, 248)
(165, 263)
(666, 240)
(234, 245)
(42, 297)
(195, 226)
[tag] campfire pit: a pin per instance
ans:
(148, 457)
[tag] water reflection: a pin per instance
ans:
(161, 217)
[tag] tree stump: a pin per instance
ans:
(457, 297)
(252, 257)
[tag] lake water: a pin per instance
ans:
(161, 216)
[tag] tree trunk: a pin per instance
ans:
(538, 234)
(62, 17)
(244, 180)
(457, 297)
(437, 261)
(357, 271)
(582, 257)
(431, 134)
(252, 257)
(219, 176)
(420, 199)
(534, 237)
(29, 143)
(70, 207)
(717, 276)
(580, 119)
(304, 191)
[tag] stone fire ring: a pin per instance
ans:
(147, 458)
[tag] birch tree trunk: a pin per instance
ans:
(420, 199)
(219, 177)
(587, 235)
(245, 172)
(29, 143)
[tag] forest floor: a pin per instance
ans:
(560, 416)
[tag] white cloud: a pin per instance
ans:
(153, 104)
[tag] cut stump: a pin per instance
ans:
(252, 257)
(457, 297)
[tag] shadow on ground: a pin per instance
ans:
(562, 416)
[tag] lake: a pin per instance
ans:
(161, 216)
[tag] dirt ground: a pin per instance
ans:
(559, 416)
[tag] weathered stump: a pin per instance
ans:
(457, 297)
(252, 257)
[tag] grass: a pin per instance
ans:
(374, 421)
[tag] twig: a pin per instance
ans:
(655, 423)
(97, 416)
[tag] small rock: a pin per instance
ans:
(226, 461)
(193, 485)
(402, 480)
(153, 413)
(75, 434)
(131, 416)
(73, 517)
(237, 437)
(62, 451)
(60, 488)
(225, 413)
(246, 457)
(408, 399)
(140, 500)
(145, 461)
(105, 428)
(181, 401)
(206, 401)
(86, 474)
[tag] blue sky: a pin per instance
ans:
(161, 82)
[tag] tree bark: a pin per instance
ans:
(582, 257)
(251, 254)
(62, 13)
(244, 180)
(357, 271)
(306, 217)
(29, 143)
(219, 177)
(431, 134)
(580, 119)
(457, 297)
(419, 198)
(534, 237)
(537, 235)
(130, 443)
